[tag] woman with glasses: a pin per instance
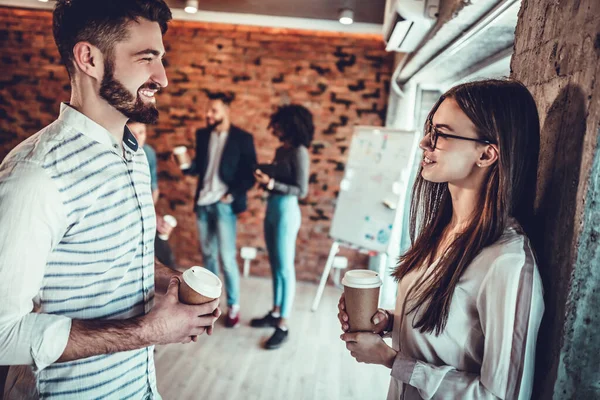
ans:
(286, 180)
(469, 301)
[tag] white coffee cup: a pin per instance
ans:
(182, 157)
(169, 219)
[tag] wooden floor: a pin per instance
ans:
(232, 365)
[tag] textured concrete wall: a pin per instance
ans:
(342, 78)
(578, 374)
(557, 55)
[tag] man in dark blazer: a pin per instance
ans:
(224, 163)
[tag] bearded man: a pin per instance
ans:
(77, 273)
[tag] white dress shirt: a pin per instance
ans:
(487, 349)
(213, 188)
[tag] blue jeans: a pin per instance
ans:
(217, 228)
(282, 222)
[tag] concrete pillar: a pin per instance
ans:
(557, 55)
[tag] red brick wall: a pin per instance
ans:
(342, 78)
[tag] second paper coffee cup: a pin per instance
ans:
(183, 157)
(361, 291)
(199, 286)
(169, 219)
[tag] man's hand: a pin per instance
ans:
(168, 322)
(227, 199)
(173, 322)
(162, 277)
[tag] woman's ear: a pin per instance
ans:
(489, 156)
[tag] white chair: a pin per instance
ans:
(248, 254)
(339, 263)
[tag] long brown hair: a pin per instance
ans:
(503, 112)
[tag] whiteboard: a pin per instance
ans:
(374, 187)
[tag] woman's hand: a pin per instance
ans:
(342, 315)
(261, 177)
(381, 318)
(369, 348)
(162, 227)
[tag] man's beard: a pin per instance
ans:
(124, 101)
(214, 125)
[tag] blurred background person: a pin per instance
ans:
(286, 179)
(162, 249)
(224, 162)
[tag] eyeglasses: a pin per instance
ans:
(434, 134)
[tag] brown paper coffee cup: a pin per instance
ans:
(361, 292)
(199, 286)
(188, 295)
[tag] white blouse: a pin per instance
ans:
(487, 349)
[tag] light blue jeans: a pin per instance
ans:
(282, 222)
(217, 226)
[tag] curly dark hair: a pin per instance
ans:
(295, 123)
(101, 22)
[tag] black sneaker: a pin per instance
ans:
(268, 321)
(279, 337)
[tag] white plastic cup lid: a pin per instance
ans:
(203, 281)
(169, 219)
(361, 279)
(180, 150)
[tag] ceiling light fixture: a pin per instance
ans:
(43, 1)
(191, 6)
(346, 16)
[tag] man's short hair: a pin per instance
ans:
(226, 98)
(103, 23)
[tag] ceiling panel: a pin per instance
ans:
(365, 11)
(368, 11)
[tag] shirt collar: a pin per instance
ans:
(130, 140)
(220, 133)
(93, 130)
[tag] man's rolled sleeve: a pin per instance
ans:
(35, 339)
(33, 221)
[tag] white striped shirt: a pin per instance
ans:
(487, 349)
(77, 242)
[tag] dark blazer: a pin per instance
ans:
(237, 164)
